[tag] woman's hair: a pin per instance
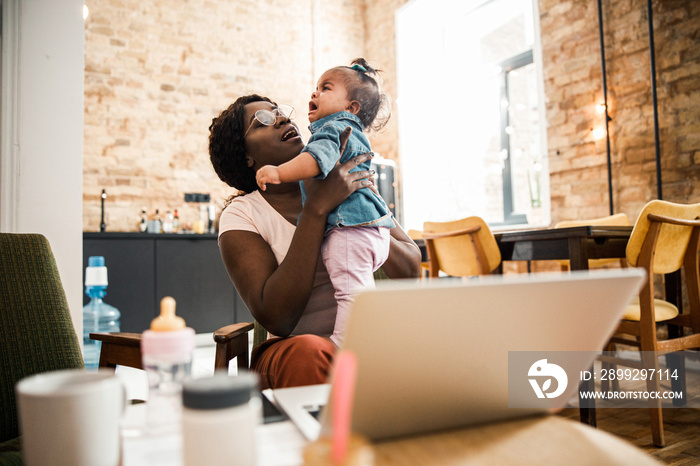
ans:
(363, 86)
(227, 145)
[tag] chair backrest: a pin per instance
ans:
(415, 234)
(461, 248)
(36, 330)
(672, 239)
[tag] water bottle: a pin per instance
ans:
(98, 316)
(168, 222)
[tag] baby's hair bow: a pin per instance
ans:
(359, 68)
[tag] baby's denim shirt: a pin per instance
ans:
(363, 207)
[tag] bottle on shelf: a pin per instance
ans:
(155, 224)
(200, 226)
(98, 316)
(211, 218)
(168, 222)
(143, 224)
(176, 222)
(166, 350)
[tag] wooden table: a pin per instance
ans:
(577, 244)
(530, 441)
(547, 439)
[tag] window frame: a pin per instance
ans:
(510, 216)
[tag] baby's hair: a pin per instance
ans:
(375, 106)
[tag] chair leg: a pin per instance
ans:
(676, 364)
(605, 384)
(657, 425)
(220, 357)
(237, 348)
(586, 408)
(242, 359)
(232, 342)
(650, 361)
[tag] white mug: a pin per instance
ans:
(70, 417)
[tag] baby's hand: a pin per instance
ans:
(267, 175)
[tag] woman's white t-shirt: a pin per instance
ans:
(253, 213)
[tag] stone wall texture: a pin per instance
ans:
(158, 71)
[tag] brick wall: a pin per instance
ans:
(573, 86)
(158, 71)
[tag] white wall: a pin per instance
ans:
(42, 131)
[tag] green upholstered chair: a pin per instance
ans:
(36, 330)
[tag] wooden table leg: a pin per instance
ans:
(578, 260)
(586, 406)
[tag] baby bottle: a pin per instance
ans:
(167, 358)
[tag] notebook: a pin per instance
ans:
(433, 355)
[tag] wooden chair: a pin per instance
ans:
(232, 342)
(36, 330)
(461, 248)
(620, 219)
(664, 239)
(124, 349)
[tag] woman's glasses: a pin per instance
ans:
(269, 117)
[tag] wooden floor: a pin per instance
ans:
(681, 427)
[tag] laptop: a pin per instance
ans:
(434, 354)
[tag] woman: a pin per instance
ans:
(271, 245)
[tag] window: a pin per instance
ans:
(470, 111)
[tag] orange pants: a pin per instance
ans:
(293, 361)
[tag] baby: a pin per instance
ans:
(357, 233)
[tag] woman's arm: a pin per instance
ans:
(276, 294)
(404, 255)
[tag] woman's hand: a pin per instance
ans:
(325, 195)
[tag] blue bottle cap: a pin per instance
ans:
(96, 261)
